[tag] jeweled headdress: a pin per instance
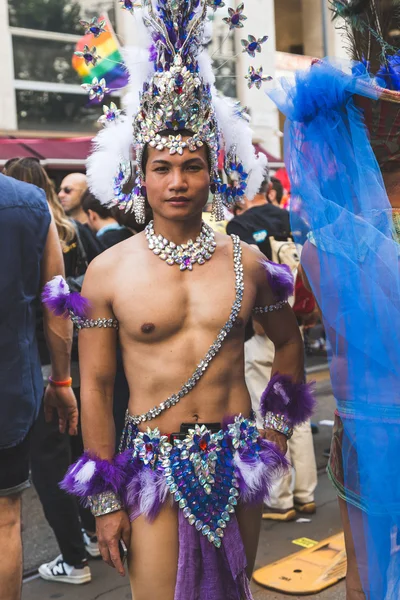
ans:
(172, 89)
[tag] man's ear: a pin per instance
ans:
(91, 214)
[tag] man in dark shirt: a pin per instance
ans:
(102, 223)
(31, 254)
(259, 221)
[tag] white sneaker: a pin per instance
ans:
(58, 570)
(91, 545)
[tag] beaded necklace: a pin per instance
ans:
(184, 255)
(212, 351)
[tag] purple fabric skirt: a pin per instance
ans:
(207, 475)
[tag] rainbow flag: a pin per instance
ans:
(110, 66)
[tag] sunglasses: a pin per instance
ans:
(67, 189)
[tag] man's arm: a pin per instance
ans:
(281, 327)
(58, 333)
(97, 353)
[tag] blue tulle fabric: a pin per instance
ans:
(352, 262)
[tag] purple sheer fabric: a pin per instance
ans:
(207, 572)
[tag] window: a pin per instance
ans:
(57, 15)
(57, 111)
(44, 60)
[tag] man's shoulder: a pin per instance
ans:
(117, 256)
(19, 193)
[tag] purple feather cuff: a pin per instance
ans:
(91, 476)
(295, 401)
(280, 280)
(59, 299)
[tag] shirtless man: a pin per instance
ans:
(167, 319)
(185, 490)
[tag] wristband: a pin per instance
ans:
(104, 503)
(66, 383)
(284, 396)
(278, 423)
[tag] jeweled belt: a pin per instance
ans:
(200, 471)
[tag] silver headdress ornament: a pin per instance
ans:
(175, 91)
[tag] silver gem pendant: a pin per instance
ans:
(185, 255)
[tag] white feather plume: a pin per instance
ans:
(114, 142)
(237, 132)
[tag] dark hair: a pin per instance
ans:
(278, 187)
(264, 187)
(90, 202)
(167, 133)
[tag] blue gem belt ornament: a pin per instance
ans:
(184, 255)
(173, 105)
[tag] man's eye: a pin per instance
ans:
(194, 168)
(161, 169)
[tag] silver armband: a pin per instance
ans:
(104, 503)
(278, 423)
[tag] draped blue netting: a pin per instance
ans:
(352, 262)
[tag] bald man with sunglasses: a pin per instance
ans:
(72, 188)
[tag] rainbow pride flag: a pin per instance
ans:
(110, 66)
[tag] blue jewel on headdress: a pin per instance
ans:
(97, 89)
(255, 77)
(128, 5)
(236, 17)
(110, 114)
(95, 26)
(89, 55)
(253, 45)
(216, 4)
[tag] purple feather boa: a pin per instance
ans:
(91, 475)
(283, 396)
(59, 299)
(280, 280)
(146, 492)
(256, 474)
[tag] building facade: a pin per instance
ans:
(41, 92)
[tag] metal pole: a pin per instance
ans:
(325, 41)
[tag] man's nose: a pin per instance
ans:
(178, 180)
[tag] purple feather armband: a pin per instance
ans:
(61, 301)
(280, 280)
(91, 476)
(283, 396)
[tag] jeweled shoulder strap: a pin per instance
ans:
(212, 351)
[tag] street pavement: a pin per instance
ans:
(276, 540)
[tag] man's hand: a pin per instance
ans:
(62, 399)
(278, 438)
(110, 529)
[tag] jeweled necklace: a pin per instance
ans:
(184, 255)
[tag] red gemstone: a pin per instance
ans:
(203, 445)
(149, 447)
(178, 89)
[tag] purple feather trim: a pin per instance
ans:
(256, 474)
(283, 396)
(59, 299)
(146, 492)
(280, 280)
(91, 475)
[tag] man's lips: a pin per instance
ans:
(178, 200)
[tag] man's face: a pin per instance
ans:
(71, 191)
(177, 185)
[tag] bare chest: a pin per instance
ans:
(158, 303)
